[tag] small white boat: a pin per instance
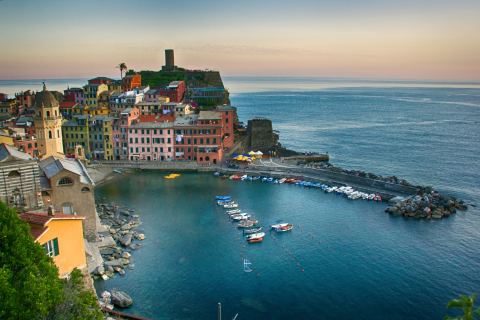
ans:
(230, 206)
(276, 226)
(254, 230)
(117, 171)
(255, 236)
(244, 177)
(243, 214)
(234, 211)
(282, 180)
(241, 218)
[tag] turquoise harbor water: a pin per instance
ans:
(425, 132)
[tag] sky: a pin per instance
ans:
(421, 39)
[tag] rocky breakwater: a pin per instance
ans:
(123, 225)
(427, 204)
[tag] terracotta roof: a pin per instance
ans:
(67, 104)
(42, 218)
(37, 232)
(153, 118)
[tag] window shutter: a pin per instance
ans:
(45, 247)
(55, 246)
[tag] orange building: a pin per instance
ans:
(62, 237)
(131, 81)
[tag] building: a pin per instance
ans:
(206, 95)
(101, 143)
(71, 94)
(91, 93)
(116, 86)
(199, 137)
(79, 98)
(62, 237)
(8, 108)
(169, 108)
(67, 186)
(76, 132)
(48, 123)
(101, 80)
(95, 111)
(6, 138)
(152, 95)
(182, 110)
(131, 81)
(21, 179)
(151, 138)
(27, 144)
(104, 98)
(120, 132)
(67, 109)
(175, 91)
(228, 116)
(3, 96)
(150, 108)
(128, 99)
(25, 99)
(169, 61)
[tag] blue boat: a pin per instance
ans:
(307, 184)
(270, 179)
(222, 197)
(256, 178)
(216, 174)
(249, 178)
(264, 179)
(276, 180)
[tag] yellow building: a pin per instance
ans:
(91, 93)
(48, 124)
(5, 138)
(116, 86)
(62, 237)
(95, 111)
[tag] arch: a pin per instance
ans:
(66, 181)
(85, 189)
(207, 158)
(47, 113)
(45, 194)
(201, 159)
(214, 161)
(49, 134)
(39, 113)
(55, 113)
(14, 173)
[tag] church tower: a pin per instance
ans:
(48, 124)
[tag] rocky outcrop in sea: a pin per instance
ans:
(427, 204)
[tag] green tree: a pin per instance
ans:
(29, 284)
(122, 66)
(466, 304)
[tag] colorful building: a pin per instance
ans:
(79, 98)
(116, 86)
(25, 99)
(207, 94)
(71, 94)
(27, 145)
(91, 93)
(101, 143)
(101, 80)
(228, 116)
(67, 109)
(8, 108)
(95, 111)
(199, 137)
(151, 138)
(182, 110)
(62, 237)
(128, 99)
(175, 91)
(131, 81)
(76, 132)
(120, 132)
(104, 98)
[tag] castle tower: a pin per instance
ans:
(48, 124)
(169, 61)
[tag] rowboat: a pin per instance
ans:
(276, 180)
(229, 206)
(282, 180)
(244, 177)
(255, 240)
(243, 214)
(240, 218)
(234, 211)
(285, 228)
(237, 177)
(222, 197)
(250, 231)
(245, 224)
(256, 236)
(280, 225)
(264, 179)
(256, 178)
(231, 177)
(249, 178)
(270, 179)
(216, 174)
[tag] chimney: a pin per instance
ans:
(50, 211)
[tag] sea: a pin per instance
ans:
(344, 259)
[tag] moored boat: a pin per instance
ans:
(282, 180)
(284, 228)
(245, 224)
(256, 236)
(256, 178)
(280, 225)
(270, 179)
(244, 177)
(237, 177)
(254, 230)
(255, 240)
(216, 174)
(222, 197)
(231, 177)
(230, 206)
(234, 211)
(249, 178)
(276, 180)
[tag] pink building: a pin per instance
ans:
(25, 99)
(175, 91)
(79, 97)
(152, 95)
(151, 138)
(227, 119)
(120, 132)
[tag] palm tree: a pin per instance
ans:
(122, 66)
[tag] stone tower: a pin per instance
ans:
(48, 124)
(169, 61)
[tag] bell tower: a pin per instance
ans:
(48, 124)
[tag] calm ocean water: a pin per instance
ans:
(380, 267)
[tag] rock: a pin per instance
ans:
(126, 227)
(117, 255)
(114, 263)
(136, 216)
(126, 239)
(117, 250)
(110, 269)
(140, 236)
(121, 272)
(112, 231)
(115, 237)
(107, 251)
(121, 299)
(125, 213)
(110, 258)
(125, 261)
(99, 270)
(117, 269)
(461, 206)
(126, 255)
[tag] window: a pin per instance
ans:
(161, 131)
(131, 149)
(143, 140)
(14, 174)
(136, 140)
(177, 149)
(85, 189)
(208, 140)
(169, 149)
(143, 149)
(226, 113)
(65, 181)
(148, 131)
(214, 140)
(189, 141)
(214, 130)
(195, 141)
(156, 149)
(136, 150)
(81, 136)
(169, 140)
(51, 248)
(131, 140)
(155, 131)
(148, 140)
(161, 149)
(168, 131)
(148, 149)
(201, 140)
(189, 150)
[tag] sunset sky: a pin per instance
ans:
(406, 39)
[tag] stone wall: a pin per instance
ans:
(260, 134)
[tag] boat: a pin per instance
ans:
(254, 230)
(280, 225)
(237, 177)
(282, 180)
(240, 218)
(246, 265)
(222, 197)
(298, 181)
(249, 178)
(245, 224)
(244, 177)
(377, 198)
(225, 176)
(224, 202)
(256, 236)
(371, 196)
(231, 177)
(285, 228)
(216, 174)
(255, 240)
(317, 185)
(235, 211)
(117, 171)
(239, 214)
(291, 180)
(264, 179)
(276, 181)
(172, 176)
(256, 178)
(230, 206)
(270, 179)
(307, 184)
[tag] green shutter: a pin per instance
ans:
(55, 246)
(45, 247)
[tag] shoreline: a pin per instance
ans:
(101, 176)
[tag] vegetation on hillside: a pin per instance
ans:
(466, 304)
(29, 284)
